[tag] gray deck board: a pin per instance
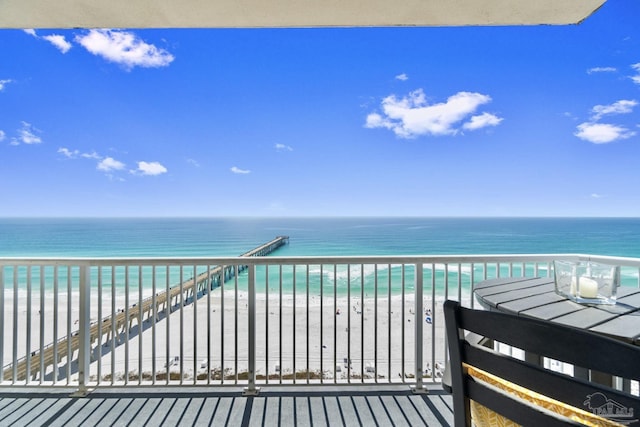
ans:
(318, 413)
(360, 404)
(21, 412)
(440, 409)
(74, 412)
(333, 411)
(348, 411)
(416, 411)
(293, 406)
(377, 410)
(42, 416)
(118, 413)
(302, 412)
(146, 412)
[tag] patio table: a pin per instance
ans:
(536, 297)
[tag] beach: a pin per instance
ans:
(318, 337)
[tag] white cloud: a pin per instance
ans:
(636, 78)
(282, 147)
(74, 154)
(109, 164)
(68, 153)
(26, 135)
(403, 77)
(2, 135)
(604, 133)
(601, 133)
(92, 155)
(193, 162)
(3, 83)
(623, 106)
(58, 41)
(412, 116)
(55, 39)
(481, 121)
(124, 48)
(150, 168)
(237, 170)
(602, 70)
(375, 120)
(596, 196)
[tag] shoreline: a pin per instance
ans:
(304, 348)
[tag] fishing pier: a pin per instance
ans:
(122, 321)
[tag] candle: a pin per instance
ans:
(587, 287)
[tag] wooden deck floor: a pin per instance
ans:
(299, 406)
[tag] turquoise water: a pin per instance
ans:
(317, 236)
(212, 237)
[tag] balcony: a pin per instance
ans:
(241, 338)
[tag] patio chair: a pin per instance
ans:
(489, 386)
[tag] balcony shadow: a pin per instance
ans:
(215, 406)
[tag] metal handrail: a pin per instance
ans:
(34, 357)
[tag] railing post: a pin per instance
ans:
(419, 337)
(84, 333)
(251, 389)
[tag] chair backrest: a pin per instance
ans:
(542, 339)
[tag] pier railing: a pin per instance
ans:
(241, 321)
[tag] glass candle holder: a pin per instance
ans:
(587, 282)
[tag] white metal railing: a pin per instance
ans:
(87, 323)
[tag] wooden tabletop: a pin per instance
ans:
(536, 297)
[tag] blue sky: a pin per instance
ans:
(475, 121)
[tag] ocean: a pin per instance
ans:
(210, 237)
(230, 237)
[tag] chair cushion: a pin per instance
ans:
(483, 416)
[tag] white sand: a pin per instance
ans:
(274, 329)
